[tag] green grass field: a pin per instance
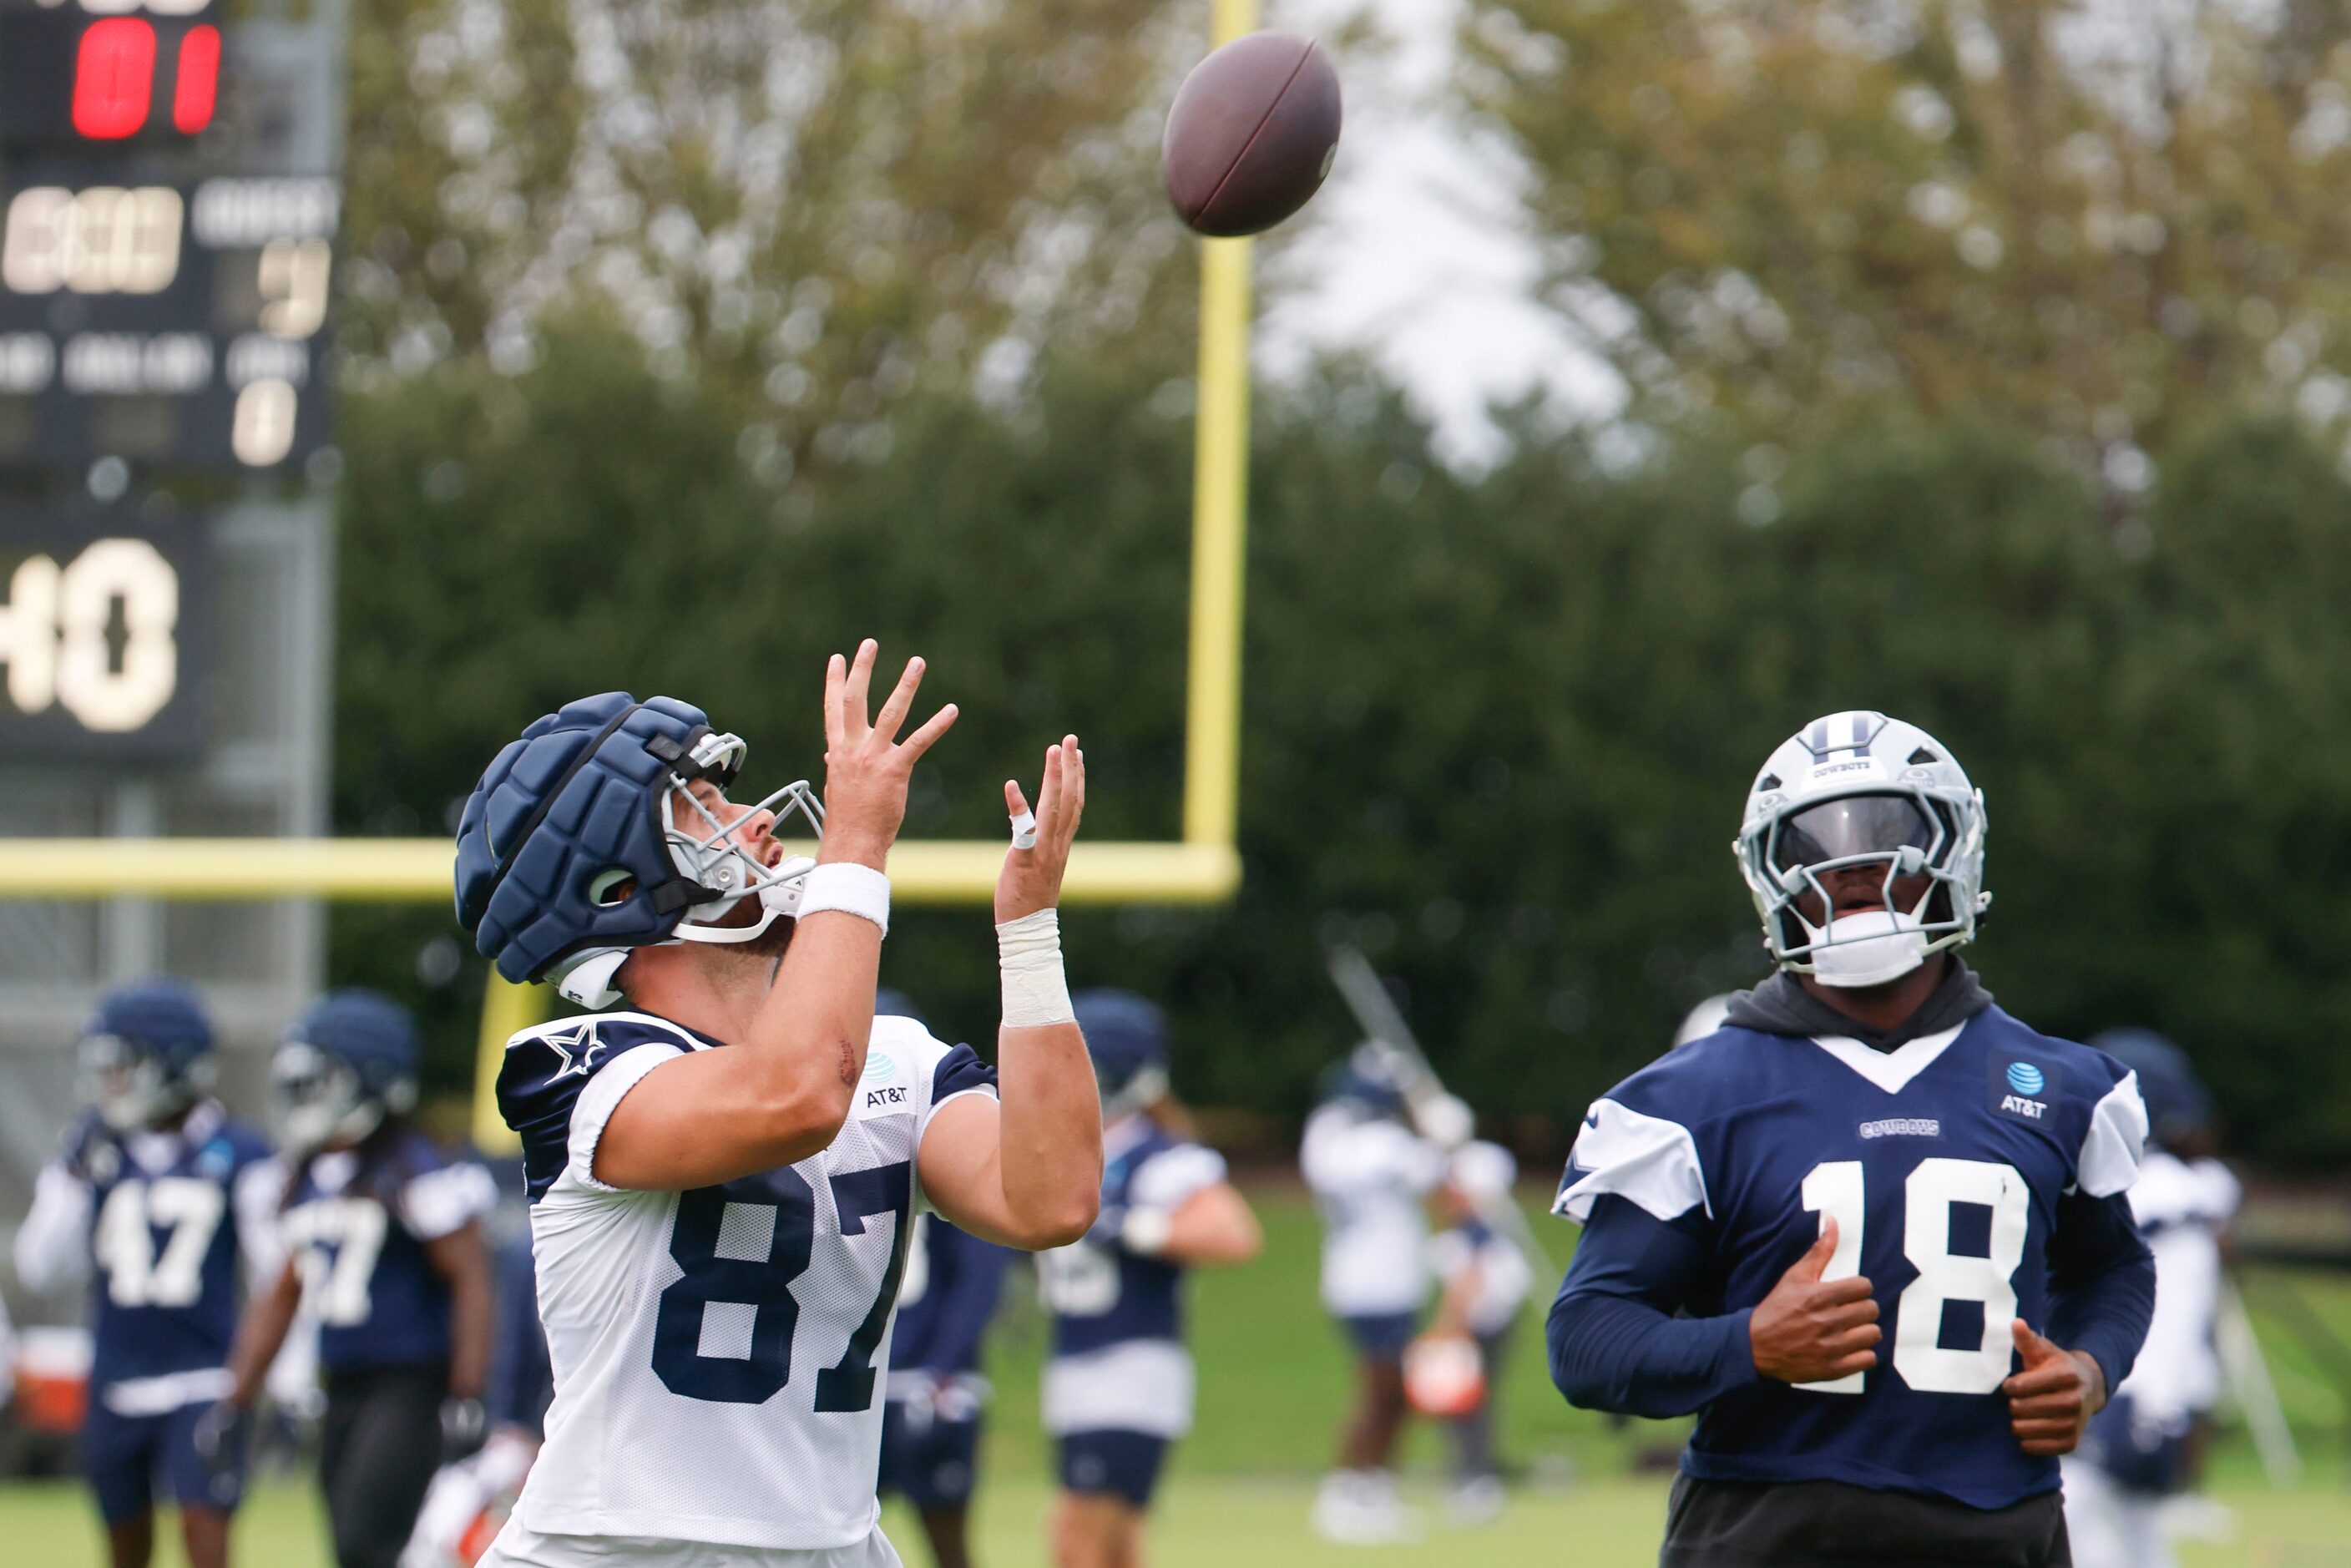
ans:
(1272, 1386)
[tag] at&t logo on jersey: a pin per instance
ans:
(880, 1093)
(2023, 1089)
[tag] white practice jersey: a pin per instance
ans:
(2181, 1210)
(1503, 1277)
(718, 1354)
(1369, 1176)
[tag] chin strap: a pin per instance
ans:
(588, 982)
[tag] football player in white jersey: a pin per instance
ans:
(1371, 1169)
(722, 1179)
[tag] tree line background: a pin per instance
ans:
(757, 333)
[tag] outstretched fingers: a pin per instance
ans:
(925, 737)
(854, 692)
(900, 701)
(1062, 798)
(1073, 785)
(1048, 792)
(836, 678)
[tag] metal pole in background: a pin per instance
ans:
(1212, 728)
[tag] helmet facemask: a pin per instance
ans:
(1143, 1087)
(320, 1099)
(709, 855)
(133, 1085)
(1927, 851)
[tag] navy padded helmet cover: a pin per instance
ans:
(366, 1029)
(595, 812)
(1124, 1034)
(162, 1014)
(2177, 1101)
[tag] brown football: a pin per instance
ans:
(1252, 134)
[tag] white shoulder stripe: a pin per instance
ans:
(2118, 1136)
(684, 1036)
(1646, 1159)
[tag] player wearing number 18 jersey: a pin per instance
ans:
(1875, 1194)
(722, 1178)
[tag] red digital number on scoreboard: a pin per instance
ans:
(114, 79)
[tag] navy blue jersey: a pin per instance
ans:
(1100, 1290)
(1944, 1163)
(946, 1300)
(164, 1232)
(357, 1225)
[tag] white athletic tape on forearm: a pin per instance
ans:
(847, 888)
(1024, 830)
(1036, 991)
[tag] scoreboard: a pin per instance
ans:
(170, 212)
(108, 72)
(163, 294)
(171, 323)
(104, 635)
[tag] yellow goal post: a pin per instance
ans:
(1203, 867)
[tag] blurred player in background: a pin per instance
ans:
(1370, 1173)
(1486, 1278)
(2147, 1445)
(1119, 1381)
(385, 1242)
(1865, 1115)
(470, 1499)
(931, 1422)
(162, 1189)
(721, 1183)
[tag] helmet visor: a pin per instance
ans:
(1851, 828)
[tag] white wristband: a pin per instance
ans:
(845, 887)
(1036, 991)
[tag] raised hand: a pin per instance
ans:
(2053, 1397)
(866, 767)
(1032, 877)
(1809, 1332)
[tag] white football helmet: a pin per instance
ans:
(1853, 789)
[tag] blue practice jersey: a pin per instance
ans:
(1118, 1362)
(165, 1229)
(1943, 1163)
(357, 1224)
(945, 1298)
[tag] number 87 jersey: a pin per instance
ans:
(1956, 1166)
(716, 1352)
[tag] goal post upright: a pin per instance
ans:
(1203, 866)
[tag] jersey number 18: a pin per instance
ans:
(1834, 1190)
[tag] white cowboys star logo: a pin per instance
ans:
(582, 1040)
